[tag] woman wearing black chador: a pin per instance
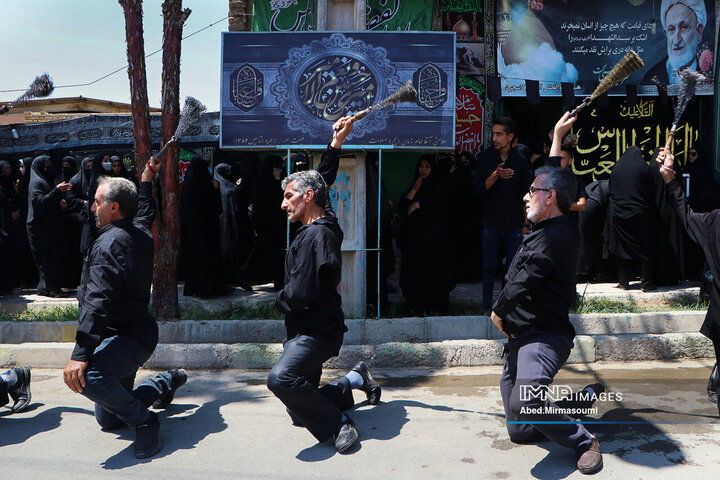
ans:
(426, 273)
(44, 224)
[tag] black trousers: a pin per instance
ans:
(294, 380)
(533, 362)
(3, 393)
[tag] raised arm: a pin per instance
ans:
(561, 128)
(697, 225)
(146, 203)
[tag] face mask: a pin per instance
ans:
(107, 166)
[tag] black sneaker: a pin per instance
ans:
(346, 436)
(147, 437)
(179, 377)
(20, 392)
(371, 388)
(712, 385)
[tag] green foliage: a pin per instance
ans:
(605, 305)
(56, 314)
(687, 301)
(233, 311)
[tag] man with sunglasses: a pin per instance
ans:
(532, 311)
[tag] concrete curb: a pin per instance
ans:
(367, 331)
(449, 353)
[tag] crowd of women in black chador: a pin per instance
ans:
(234, 232)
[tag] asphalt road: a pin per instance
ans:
(431, 424)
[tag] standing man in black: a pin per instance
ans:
(314, 319)
(703, 229)
(503, 178)
(116, 333)
(532, 311)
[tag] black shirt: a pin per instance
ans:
(540, 283)
(114, 293)
(310, 300)
(503, 208)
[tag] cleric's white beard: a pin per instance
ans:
(681, 60)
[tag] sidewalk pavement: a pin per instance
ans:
(430, 424)
(465, 292)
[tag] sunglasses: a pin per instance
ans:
(532, 190)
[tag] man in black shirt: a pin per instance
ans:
(314, 319)
(503, 176)
(703, 229)
(116, 333)
(532, 311)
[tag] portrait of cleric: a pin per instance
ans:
(684, 22)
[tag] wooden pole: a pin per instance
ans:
(167, 226)
(138, 81)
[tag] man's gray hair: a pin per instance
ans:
(563, 181)
(122, 191)
(308, 180)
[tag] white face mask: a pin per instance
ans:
(107, 166)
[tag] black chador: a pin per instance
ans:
(426, 271)
(235, 231)
(199, 213)
(628, 233)
(26, 268)
(670, 237)
(265, 262)
(45, 225)
(590, 223)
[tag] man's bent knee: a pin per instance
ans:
(280, 381)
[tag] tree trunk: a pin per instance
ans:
(138, 82)
(167, 226)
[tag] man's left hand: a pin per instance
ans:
(74, 375)
(498, 323)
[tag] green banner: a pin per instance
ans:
(461, 5)
(284, 15)
(399, 15)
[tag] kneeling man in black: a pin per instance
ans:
(314, 320)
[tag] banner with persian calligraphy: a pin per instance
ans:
(384, 15)
(288, 89)
(465, 18)
(469, 113)
(580, 42)
(284, 15)
(605, 134)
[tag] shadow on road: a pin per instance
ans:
(632, 436)
(380, 422)
(19, 429)
(183, 432)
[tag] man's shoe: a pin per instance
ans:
(179, 377)
(712, 385)
(346, 436)
(147, 437)
(371, 388)
(20, 392)
(590, 461)
(650, 287)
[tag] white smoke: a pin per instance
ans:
(545, 63)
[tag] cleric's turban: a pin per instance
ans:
(697, 6)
